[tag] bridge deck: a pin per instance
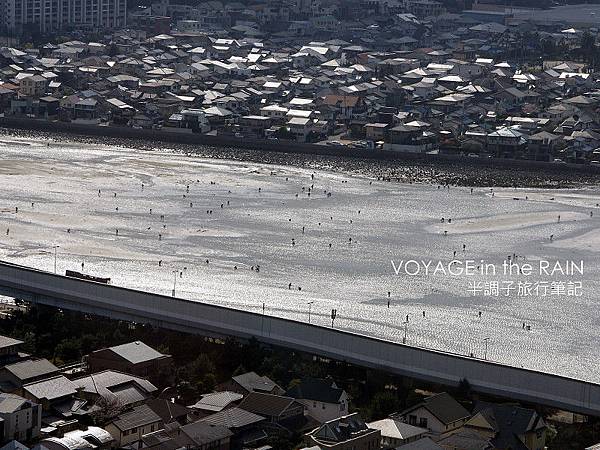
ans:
(185, 315)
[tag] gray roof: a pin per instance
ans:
(233, 418)
(110, 383)
(251, 381)
(317, 390)
(10, 403)
(204, 433)
(26, 370)
(422, 444)
(341, 429)
(136, 352)
(396, 429)
(51, 388)
(442, 406)
(6, 341)
(217, 401)
(136, 417)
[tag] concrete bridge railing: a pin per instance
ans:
(196, 317)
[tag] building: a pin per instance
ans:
(251, 382)
(127, 390)
(323, 400)
(33, 86)
(277, 409)
(92, 437)
(47, 16)
(135, 358)
(51, 391)
(245, 425)
(345, 433)
(411, 139)
(129, 427)
(395, 433)
(14, 376)
(509, 426)
(199, 435)
(21, 419)
(439, 413)
(215, 402)
(9, 349)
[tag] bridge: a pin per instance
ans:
(200, 318)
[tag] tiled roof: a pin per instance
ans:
(26, 370)
(233, 418)
(138, 416)
(51, 388)
(267, 404)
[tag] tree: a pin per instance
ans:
(107, 409)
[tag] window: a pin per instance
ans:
(423, 422)
(134, 430)
(412, 419)
(125, 433)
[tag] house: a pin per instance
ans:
(439, 414)
(200, 435)
(170, 412)
(323, 400)
(412, 139)
(14, 376)
(127, 389)
(215, 402)
(254, 125)
(251, 382)
(395, 433)
(135, 358)
(33, 86)
(86, 108)
(506, 142)
(129, 426)
(246, 426)
(376, 131)
(21, 419)
(344, 433)
(344, 105)
(277, 409)
(508, 426)
(300, 128)
(50, 392)
(9, 349)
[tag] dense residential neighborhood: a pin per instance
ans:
(106, 405)
(394, 76)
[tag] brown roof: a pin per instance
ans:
(341, 100)
(267, 404)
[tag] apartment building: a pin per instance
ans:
(47, 16)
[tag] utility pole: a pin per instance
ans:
(174, 282)
(309, 307)
(486, 347)
(55, 247)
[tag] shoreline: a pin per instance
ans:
(404, 168)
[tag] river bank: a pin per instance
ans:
(406, 168)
